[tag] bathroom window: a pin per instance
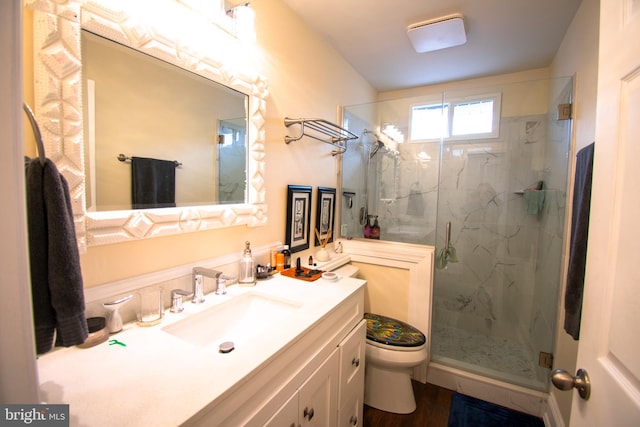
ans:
(461, 118)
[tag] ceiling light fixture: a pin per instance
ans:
(436, 34)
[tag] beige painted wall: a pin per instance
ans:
(466, 85)
(387, 291)
(577, 55)
(307, 78)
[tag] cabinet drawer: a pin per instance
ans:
(352, 354)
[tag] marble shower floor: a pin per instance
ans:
(495, 357)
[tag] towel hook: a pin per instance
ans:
(36, 132)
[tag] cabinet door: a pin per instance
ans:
(351, 411)
(318, 397)
(352, 354)
(287, 415)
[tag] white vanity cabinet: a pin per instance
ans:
(310, 358)
(322, 370)
(337, 384)
(315, 403)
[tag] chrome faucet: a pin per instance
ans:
(199, 273)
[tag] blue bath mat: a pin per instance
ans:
(468, 411)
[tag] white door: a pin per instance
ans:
(609, 348)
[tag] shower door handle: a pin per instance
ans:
(563, 380)
(447, 236)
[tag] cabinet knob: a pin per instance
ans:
(356, 362)
(308, 413)
(353, 420)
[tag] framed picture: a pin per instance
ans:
(298, 217)
(325, 211)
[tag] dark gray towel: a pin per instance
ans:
(153, 183)
(578, 245)
(56, 279)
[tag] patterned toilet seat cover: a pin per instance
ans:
(389, 331)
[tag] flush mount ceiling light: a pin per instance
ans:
(436, 34)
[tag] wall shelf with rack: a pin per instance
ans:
(321, 130)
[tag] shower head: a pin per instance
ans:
(379, 144)
(371, 143)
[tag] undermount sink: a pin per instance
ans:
(241, 317)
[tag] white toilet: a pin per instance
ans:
(393, 349)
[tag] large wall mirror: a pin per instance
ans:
(210, 119)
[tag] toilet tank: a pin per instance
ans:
(347, 270)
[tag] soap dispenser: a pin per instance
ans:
(367, 228)
(247, 276)
(375, 229)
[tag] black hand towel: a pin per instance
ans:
(578, 244)
(56, 278)
(153, 183)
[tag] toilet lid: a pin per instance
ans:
(389, 331)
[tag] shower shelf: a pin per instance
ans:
(324, 131)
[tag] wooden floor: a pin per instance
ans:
(432, 410)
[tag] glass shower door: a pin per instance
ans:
(494, 310)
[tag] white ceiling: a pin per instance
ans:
(503, 36)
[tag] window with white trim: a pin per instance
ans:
(469, 117)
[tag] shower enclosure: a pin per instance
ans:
(493, 163)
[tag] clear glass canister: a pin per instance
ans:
(150, 308)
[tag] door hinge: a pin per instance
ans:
(545, 360)
(564, 111)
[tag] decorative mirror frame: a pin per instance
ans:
(58, 106)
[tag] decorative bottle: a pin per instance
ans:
(247, 276)
(280, 259)
(287, 257)
(375, 229)
(367, 228)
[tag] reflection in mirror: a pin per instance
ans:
(175, 33)
(232, 154)
(145, 107)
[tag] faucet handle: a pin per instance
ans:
(176, 299)
(221, 288)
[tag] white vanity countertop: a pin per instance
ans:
(158, 379)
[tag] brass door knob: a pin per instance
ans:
(563, 380)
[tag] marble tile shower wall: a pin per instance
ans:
(503, 250)
(408, 202)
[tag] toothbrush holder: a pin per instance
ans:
(114, 321)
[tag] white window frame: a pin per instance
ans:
(450, 104)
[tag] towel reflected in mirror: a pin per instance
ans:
(153, 183)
